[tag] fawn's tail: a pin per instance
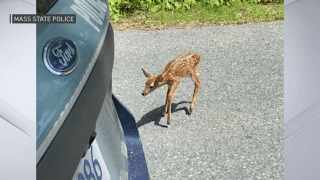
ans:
(198, 59)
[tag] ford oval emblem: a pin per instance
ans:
(60, 56)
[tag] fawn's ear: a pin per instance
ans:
(146, 73)
(160, 78)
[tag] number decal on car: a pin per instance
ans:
(92, 166)
(81, 177)
(88, 171)
(96, 164)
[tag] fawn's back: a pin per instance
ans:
(185, 64)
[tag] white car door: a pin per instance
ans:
(302, 90)
(17, 92)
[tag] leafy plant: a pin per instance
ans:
(118, 8)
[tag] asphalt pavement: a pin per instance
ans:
(236, 130)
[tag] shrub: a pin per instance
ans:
(120, 7)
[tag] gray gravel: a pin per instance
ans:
(236, 130)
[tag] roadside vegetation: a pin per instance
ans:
(159, 14)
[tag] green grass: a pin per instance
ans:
(201, 15)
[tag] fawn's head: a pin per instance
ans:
(152, 83)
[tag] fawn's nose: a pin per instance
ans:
(143, 94)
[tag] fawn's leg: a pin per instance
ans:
(166, 105)
(169, 100)
(196, 80)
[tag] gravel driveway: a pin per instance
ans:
(236, 130)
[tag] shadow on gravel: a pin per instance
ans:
(157, 113)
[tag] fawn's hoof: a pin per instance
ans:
(168, 123)
(191, 109)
